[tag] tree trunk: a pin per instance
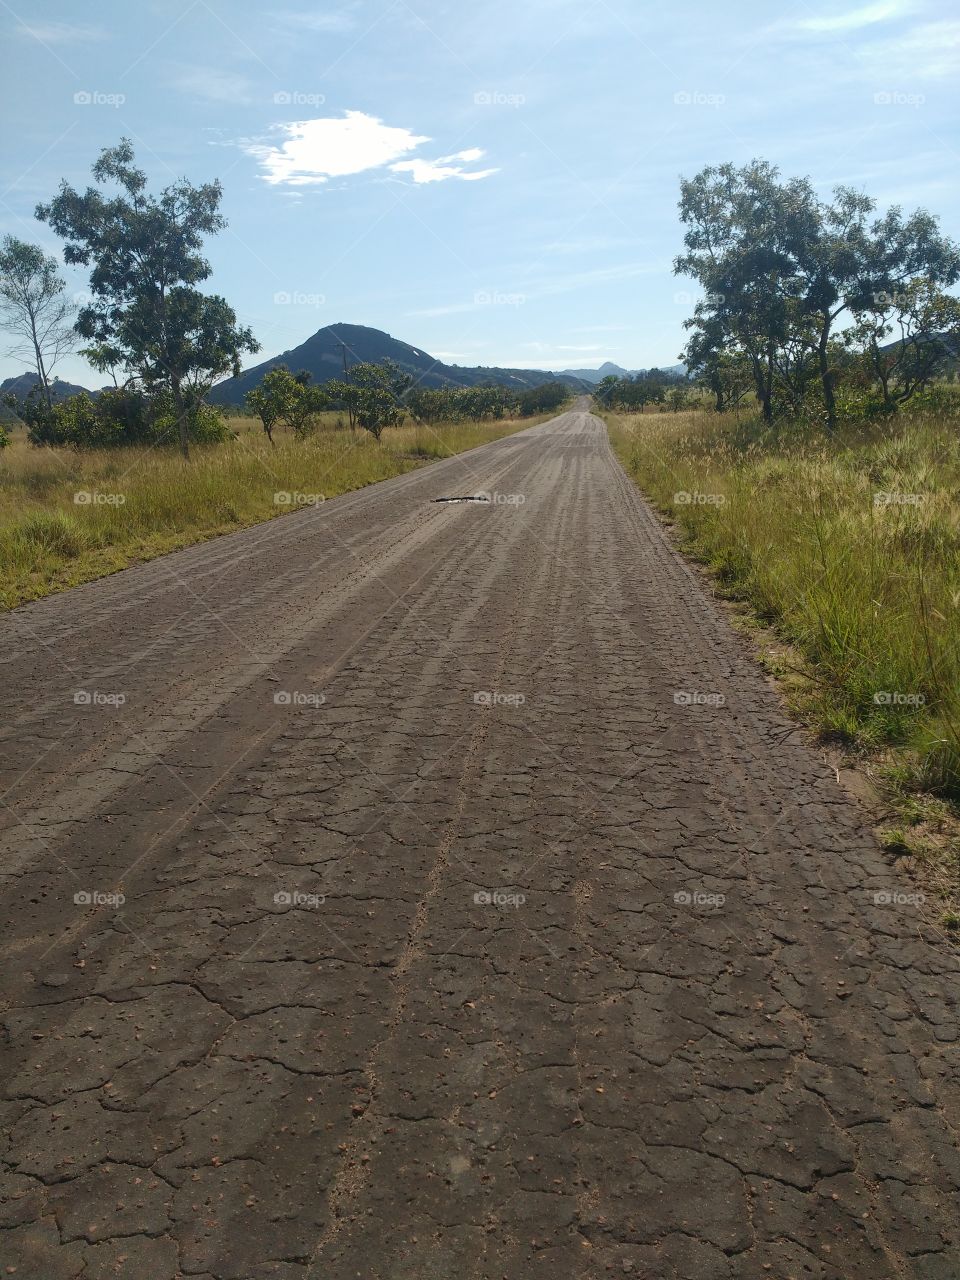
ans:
(826, 378)
(41, 369)
(180, 409)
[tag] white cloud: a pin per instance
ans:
(925, 52)
(854, 19)
(212, 84)
(340, 20)
(445, 167)
(60, 32)
(312, 151)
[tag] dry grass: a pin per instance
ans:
(144, 502)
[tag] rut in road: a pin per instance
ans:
(483, 917)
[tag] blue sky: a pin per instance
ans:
(493, 182)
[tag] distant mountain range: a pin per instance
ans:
(609, 369)
(322, 356)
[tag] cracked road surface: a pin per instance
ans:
(483, 917)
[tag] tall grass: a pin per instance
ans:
(849, 546)
(67, 517)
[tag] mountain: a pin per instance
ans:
(597, 375)
(322, 357)
(609, 369)
(23, 384)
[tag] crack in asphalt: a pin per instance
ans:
(500, 960)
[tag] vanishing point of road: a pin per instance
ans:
(404, 890)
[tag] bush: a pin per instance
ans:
(117, 417)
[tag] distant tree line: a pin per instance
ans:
(817, 306)
(377, 396)
(663, 388)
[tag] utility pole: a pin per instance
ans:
(343, 351)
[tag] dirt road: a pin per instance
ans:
(482, 917)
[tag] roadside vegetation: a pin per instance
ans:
(819, 478)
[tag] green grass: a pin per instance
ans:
(49, 540)
(866, 592)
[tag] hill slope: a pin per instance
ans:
(322, 356)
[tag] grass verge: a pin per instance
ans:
(68, 517)
(849, 548)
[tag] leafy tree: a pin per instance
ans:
(780, 268)
(286, 398)
(374, 394)
(721, 370)
(34, 308)
(924, 324)
(743, 229)
(119, 416)
(147, 316)
(543, 399)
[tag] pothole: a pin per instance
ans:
(472, 497)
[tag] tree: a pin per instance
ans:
(34, 308)
(374, 394)
(925, 325)
(147, 316)
(744, 229)
(720, 369)
(780, 268)
(285, 397)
